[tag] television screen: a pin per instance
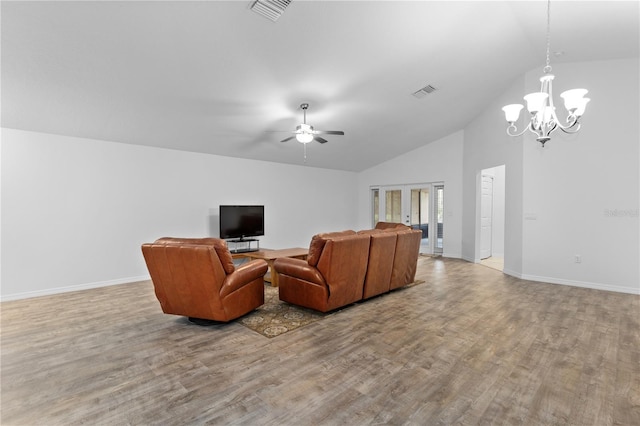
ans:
(241, 221)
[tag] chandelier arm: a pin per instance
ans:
(550, 127)
(572, 121)
(513, 128)
(571, 129)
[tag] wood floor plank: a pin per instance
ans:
(469, 346)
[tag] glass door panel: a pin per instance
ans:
(375, 200)
(393, 205)
(439, 207)
(419, 209)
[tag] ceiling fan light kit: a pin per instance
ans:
(540, 105)
(305, 133)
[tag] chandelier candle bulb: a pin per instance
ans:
(535, 101)
(512, 112)
(574, 99)
(580, 110)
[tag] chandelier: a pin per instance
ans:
(540, 104)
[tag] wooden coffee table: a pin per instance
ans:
(271, 255)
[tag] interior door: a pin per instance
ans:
(486, 216)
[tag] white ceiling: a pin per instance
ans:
(215, 77)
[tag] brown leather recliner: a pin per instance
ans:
(331, 277)
(196, 278)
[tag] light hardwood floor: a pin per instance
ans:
(469, 346)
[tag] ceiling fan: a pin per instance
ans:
(305, 133)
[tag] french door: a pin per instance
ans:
(419, 206)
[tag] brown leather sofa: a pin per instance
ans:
(393, 257)
(331, 277)
(196, 278)
(346, 267)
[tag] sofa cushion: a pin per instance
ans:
(391, 226)
(406, 258)
(370, 231)
(317, 244)
(382, 248)
(219, 245)
(225, 255)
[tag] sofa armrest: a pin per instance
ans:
(243, 275)
(298, 268)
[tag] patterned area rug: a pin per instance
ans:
(276, 317)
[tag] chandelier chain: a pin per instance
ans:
(547, 69)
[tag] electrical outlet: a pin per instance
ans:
(578, 258)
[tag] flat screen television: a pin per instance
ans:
(241, 222)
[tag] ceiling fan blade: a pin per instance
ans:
(329, 132)
(287, 139)
(319, 139)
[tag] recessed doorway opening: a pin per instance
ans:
(491, 217)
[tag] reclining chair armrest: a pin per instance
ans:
(298, 268)
(243, 275)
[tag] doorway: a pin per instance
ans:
(420, 206)
(486, 216)
(491, 219)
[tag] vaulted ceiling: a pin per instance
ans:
(215, 77)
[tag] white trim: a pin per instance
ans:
(452, 255)
(573, 283)
(512, 273)
(582, 284)
(58, 290)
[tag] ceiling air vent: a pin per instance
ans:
(424, 91)
(270, 9)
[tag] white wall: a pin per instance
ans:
(439, 161)
(75, 211)
(486, 145)
(572, 184)
(562, 200)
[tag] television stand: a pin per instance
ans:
(245, 245)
